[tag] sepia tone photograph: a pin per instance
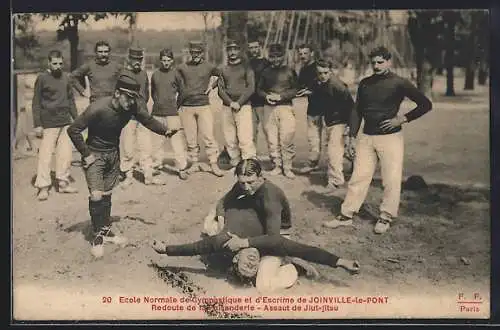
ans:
(251, 165)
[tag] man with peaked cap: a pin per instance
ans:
(136, 139)
(236, 85)
(278, 86)
(105, 120)
(195, 111)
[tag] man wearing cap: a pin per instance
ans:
(101, 72)
(236, 85)
(258, 64)
(164, 89)
(278, 86)
(195, 112)
(135, 138)
(105, 120)
(53, 109)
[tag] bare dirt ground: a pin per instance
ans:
(439, 247)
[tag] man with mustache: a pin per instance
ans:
(101, 72)
(198, 77)
(105, 120)
(135, 138)
(378, 100)
(278, 86)
(54, 109)
(236, 85)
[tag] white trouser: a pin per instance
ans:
(279, 128)
(335, 136)
(54, 139)
(390, 150)
(237, 127)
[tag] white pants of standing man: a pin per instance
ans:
(135, 144)
(194, 119)
(335, 149)
(158, 143)
(237, 127)
(54, 139)
(390, 150)
(279, 128)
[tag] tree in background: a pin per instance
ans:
(25, 38)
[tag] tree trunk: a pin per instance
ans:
(470, 72)
(449, 57)
(424, 75)
(237, 27)
(74, 40)
(482, 76)
(132, 29)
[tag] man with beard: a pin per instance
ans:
(278, 86)
(135, 138)
(164, 89)
(54, 109)
(258, 64)
(378, 100)
(236, 85)
(102, 73)
(195, 111)
(253, 216)
(105, 120)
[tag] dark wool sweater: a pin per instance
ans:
(281, 80)
(195, 79)
(236, 83)
(333, 100)
(258, 65)
(379, 98)
(53, 101)
(102, 78)
(105, 124)
(164, 86)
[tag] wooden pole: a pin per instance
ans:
(306, 31)
(294, 44)
(290, 30)
(269, 28)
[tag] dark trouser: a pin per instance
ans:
(267, 245)
(102, 176)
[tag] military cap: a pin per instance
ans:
(276, 49)
(232, 43)
(137, 53)
(196, 46)
(128, 84)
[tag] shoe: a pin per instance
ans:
(275, 171)
(288, 173)
(109, 237)
(43, 194)
(183, 174)
(312, 166)
(194, 167)
(216, 170)
(383, 224)
(65, 188)
(97, 248)
(159, 247)
(155, 181)
(339, 221)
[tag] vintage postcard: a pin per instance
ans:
(251, 165)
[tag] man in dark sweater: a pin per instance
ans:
(307, 80)
(105, 120)
(332, 109)
(236, 84)
(198, 78)
(259, 229)
(101, 72)
(135, 138)
(53, 110)
(258, 64)
(378, 100)
(164, 90)
(278, 86)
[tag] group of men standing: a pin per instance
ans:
(254, 92)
